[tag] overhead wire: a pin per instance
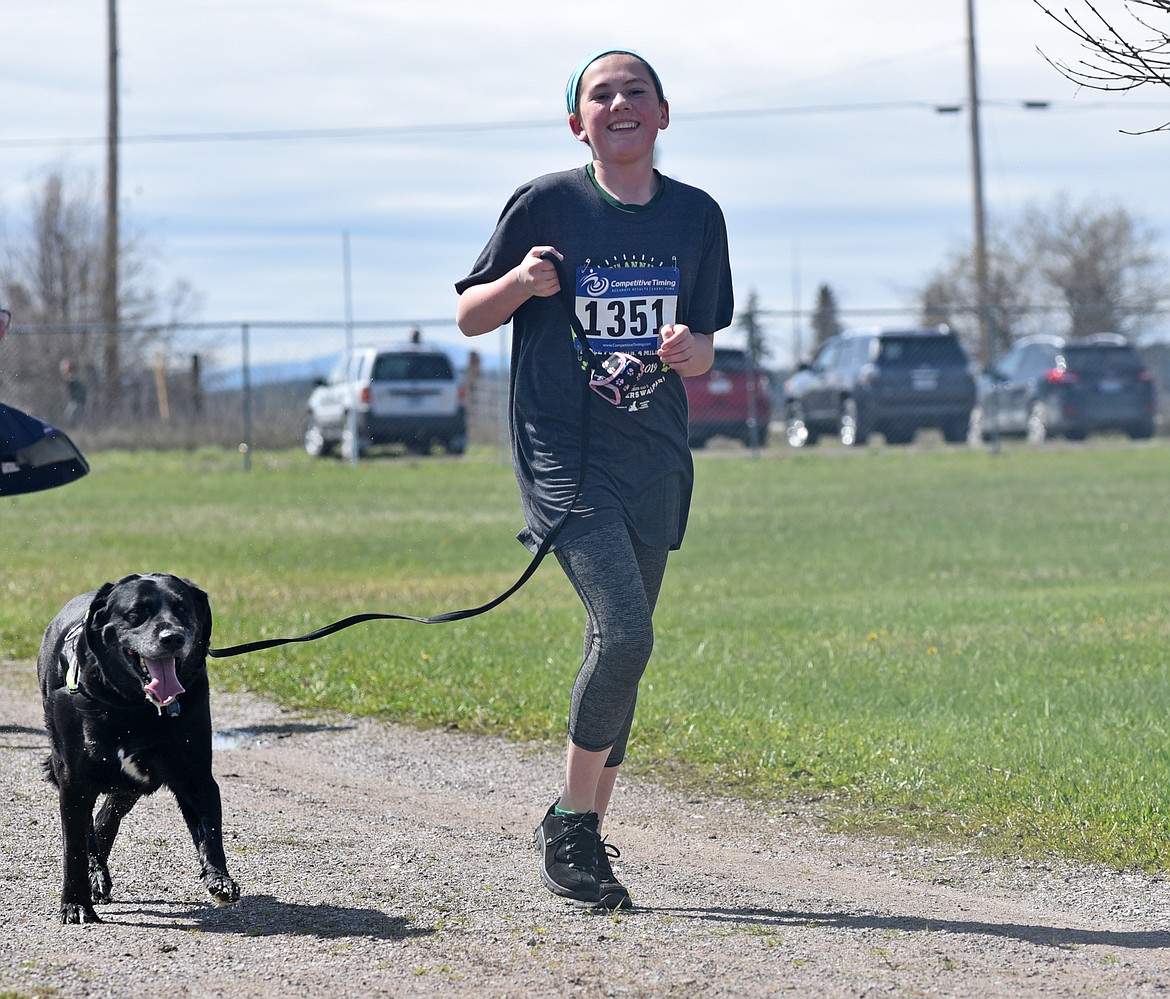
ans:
(431, 128)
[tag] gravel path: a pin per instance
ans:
(379, 860)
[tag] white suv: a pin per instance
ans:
(407, 395)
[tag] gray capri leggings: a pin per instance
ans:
(618, 579)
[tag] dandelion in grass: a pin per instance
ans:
(932, 650)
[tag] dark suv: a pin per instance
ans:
(892, 382)
(1046, 385)
(733, 399)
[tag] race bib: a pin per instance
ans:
(624, 308)
(621, 311)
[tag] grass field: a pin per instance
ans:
(941, 641)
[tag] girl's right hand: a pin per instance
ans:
(537, 276)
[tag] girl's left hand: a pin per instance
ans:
(686, 352)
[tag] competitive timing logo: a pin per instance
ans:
(594, 278)
(594, 285)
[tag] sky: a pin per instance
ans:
(261, 139)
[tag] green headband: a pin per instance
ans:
(574, 83)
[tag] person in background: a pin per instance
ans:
(75, 394)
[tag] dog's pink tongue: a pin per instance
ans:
(164, 684)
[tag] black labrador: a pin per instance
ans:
(123, 676)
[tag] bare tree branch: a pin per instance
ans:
(1119, 59)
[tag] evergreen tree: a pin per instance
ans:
(825, 322)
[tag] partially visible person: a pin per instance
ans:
(75, 394)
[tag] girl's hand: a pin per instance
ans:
(688, 353)
(538, 277)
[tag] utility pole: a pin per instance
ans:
(355, 453)
(986, 347)
(110, 284)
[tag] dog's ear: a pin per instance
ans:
(203, 611)
(98, 616)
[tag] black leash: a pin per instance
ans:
(541, 552)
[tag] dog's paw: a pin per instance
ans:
(76, 913)
(224, 891)
(100, 883)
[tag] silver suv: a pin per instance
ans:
(407, 395)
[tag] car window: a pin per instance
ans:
(1008, 366)
(827, 358)
(337, 375)
(730, 360)
(914, 350)
(862, 351)
(412, 367)
(1099, 359)
(352, 367)
(1037, 359)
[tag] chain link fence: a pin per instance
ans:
(247, 384)
(222, 384)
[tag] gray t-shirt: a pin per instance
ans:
(635, 268)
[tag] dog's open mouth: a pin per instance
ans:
(162, 686)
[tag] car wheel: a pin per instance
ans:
(455, 445)
(1038, 426)
(1141, 431)
(956, 431)
(316, 443)
(796, 431)
(850, 429)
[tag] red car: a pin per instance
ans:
(733, 399)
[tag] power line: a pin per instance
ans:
(407, 131)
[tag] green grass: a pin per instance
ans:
(943, 642)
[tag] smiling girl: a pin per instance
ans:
(648, 259)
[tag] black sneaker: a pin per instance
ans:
(569, 845)
(614, 894)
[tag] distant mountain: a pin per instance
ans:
(309, 369)
(270, 373)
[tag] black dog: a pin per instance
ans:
(123, 675)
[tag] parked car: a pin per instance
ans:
(733, 399)
(893, 382)
(395, 395)
(1047, 386)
